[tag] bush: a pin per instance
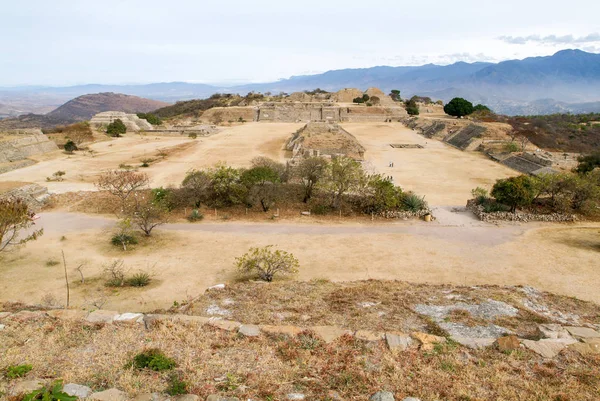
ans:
(15, 371)
(413, 203)
(265, 263)
(358, 100)
(588, 163)
(195, 215)
(151, 118)
(192, 135)
(116, 128)
(458, 107)
(116, 273)
(153, 359)
(511, 147)
(514, 191)
(123, 240)
(321, 209)
(176, 386)
(70, 146)
(412, 108)
(140, 279)
(479, 194)
(15, 218)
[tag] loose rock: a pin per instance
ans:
(249, 330)
(398, 342)
(329, 333)
(427, 341)
(547, 348)
(26, 386)
(102, 316)
(77, 390)
(296, 396)
(553, 331)
(370, 336)
(582, 332)
(215, 397)
(382, 396)
(109, 395)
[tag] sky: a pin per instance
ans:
(72, 42)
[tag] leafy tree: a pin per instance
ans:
(280, 168)
(514, 191)
(342, 175)
(458, 107)
(116, 128)
(266, 263)
(395, 95)
(70, 146)
(151, 118)
(412, 108)
(15, 217)
(358, 100)
(588, 163)
(366, 97)
(196, 187)
(226, 187)
(380, 194)
(310, 171)
(375, 100)
(482, 108)
(261, 183)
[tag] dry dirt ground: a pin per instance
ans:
(443, 174)
(186, 258)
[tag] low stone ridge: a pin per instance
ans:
(478, 211)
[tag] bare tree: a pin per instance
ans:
(122, 183)
(15, 217)
(523, 140)
(145, 214)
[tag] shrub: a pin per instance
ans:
(482, 108)
(151, 118)
(192, 135)
(153, 359)
(140, 279)
(116, 273)
(176, 386)
(116, 128)
(195, 215)
(479, 194)
(15, 371)
(123, 240)
(511, 147)
(514, 191)
(358, 100)
(52, 262)
(321, 209)
(413, 203)
(588, 163)
(458, 107)
(70, 146)
(265, 263)
(52, 393)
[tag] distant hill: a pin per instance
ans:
(568, 80)
(84, 108)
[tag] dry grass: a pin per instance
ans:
(268, 368)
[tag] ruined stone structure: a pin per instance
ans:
(527, 163)
(131, 121)
(324, 139)
(16, 148)
(33, 195)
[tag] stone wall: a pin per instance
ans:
(518, 216)
(223, 114)
(20, 145)
(33, 194)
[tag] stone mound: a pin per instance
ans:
(131, 121)
(324, 139)
(348, 95)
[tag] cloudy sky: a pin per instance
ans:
(66, 42)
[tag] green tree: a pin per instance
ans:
(395, 95)
(262, 185)
(70, 147)
(15, 217)
(381, 194)
(342, 175)
(310, 171)
(226, 187)
(412, 108)
(481, 107)
(116, 128)
(196, 188)
(514, 191)
(458, 107)
(151, 118)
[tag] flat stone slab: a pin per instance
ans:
(488, 310)
(67, 314)
(367, 335)
(286, 330)
(582, 332)
(475, 342)
(459, 330)
(25, 386)
(398, 341)
(109, 395)
(216, 397)
(77, 390)
(102, 316)
(130, 318)
(382, 396)
(547, 348)
(227, 325)
(330, 333)
(249, 330)
(587, 347)
(553, 331)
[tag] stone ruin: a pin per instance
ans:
(302, 107)
(34, 195)
(324, 139)
(131, 121)
(17, 146)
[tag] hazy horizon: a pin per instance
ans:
(66, 43)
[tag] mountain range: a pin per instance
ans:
(568, 81)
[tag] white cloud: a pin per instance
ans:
(552, 39)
